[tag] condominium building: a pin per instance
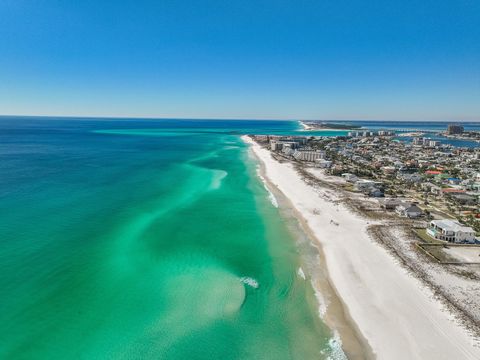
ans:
(309, 155)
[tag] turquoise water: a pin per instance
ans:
(431, 129)
(146, 240)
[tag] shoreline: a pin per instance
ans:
(312, 128)
(394, 311)
(331, 309)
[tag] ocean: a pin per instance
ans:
(129, 239)
(148, 239)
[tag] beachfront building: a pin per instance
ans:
(451, 231)
(287, 150)
(390, 203)
(351, 178)
(366, 184)
(309, 155)
(293, 142)
(275, 145)
(323, 164)
(410, 211)
(370, 187)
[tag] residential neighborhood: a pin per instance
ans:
(435, 182)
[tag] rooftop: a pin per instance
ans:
(451, 225)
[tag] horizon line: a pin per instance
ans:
(92, 117)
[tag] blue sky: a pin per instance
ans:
(258, 59)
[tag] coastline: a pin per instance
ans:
(330, 306)
(394, 311)
(312, 128)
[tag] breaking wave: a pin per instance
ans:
(271, 197)
(336, 351)
(250, 282)
(301, 273)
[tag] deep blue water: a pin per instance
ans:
(409, 125)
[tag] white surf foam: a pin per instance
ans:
(250, 282)
(301, 273)
(271, 197)
(322, 305)
(335, 344)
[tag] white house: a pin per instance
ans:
(366, 184)
(451, 230)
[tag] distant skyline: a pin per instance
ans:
(325, 60)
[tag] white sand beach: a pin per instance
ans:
(305, 126)
(394, 311)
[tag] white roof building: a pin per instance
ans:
(309, 155)
(451, 230)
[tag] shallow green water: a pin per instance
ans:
(155, 244)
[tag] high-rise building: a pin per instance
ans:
(454, 129)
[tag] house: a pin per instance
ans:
(450, 191)
(469, 185)
(322, 163)
(463, 199)
(387, 170)
(451, 231)
(454, 181)
(410, 178)
(350, 177)
(390, 203)
(428, 186)
(369, 187)
(410, 211)
(374, 192)
(364, 185)
(436, 190)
